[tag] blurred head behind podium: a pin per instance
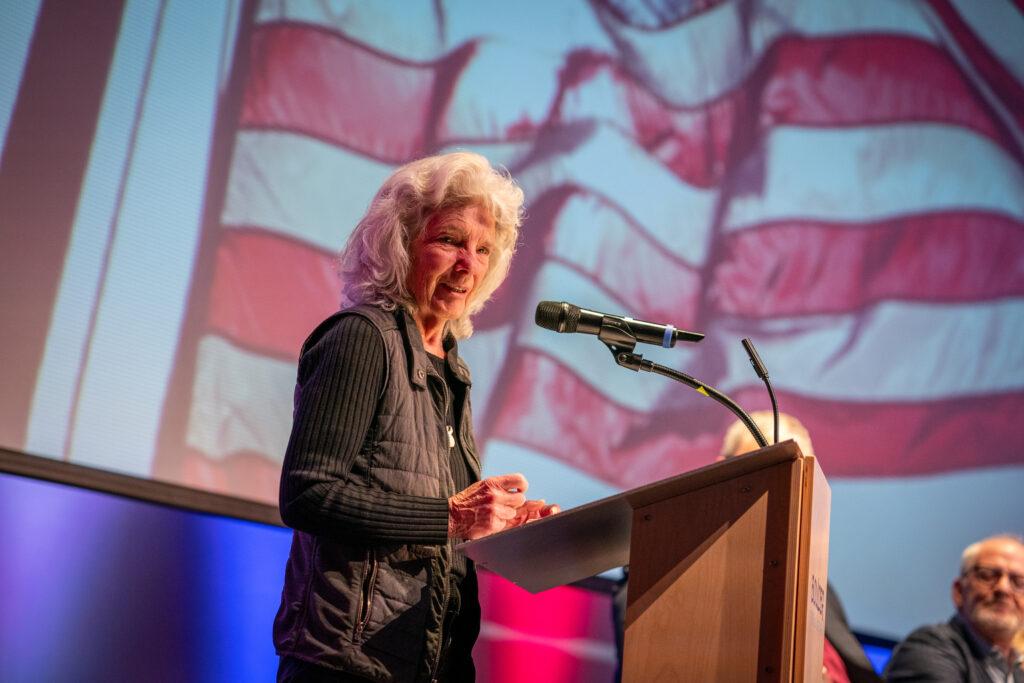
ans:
(738, 439)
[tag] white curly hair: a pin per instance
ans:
(374, 264)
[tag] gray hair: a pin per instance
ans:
(374, 265)
(969, 557)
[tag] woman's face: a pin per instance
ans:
(449, 258)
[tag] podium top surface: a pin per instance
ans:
(594, 537)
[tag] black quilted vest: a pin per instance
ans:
(377, 611)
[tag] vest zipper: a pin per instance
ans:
(369, 579)
(440, 635)
(448, 413)
(434, 669)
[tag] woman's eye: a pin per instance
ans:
(486, 251)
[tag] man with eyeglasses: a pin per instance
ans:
(976, 645)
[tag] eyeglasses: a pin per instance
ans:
(991, 576)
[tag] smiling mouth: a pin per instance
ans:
(457, 290)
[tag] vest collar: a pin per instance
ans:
(419, 364)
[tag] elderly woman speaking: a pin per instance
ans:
(381, 476)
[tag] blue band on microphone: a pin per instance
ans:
(667, 339)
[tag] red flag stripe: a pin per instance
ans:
(268, 291)
(597, 239)
(803, 268)
(551, 410)
(409, 30)
(905, 439)
(309, 80)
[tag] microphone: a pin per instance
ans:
(755, 360)
(762, 372)
(563, 317)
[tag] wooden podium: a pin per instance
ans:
(728, 567)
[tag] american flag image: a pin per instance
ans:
(843, 182)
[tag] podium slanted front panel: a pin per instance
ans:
(711, 580)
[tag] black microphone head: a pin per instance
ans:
(755, 359)
(557, 316)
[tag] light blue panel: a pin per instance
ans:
(150, 269)
(16, 27)
(94, 228)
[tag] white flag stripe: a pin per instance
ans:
(553, 27)
(589, 232)
(603, 97)
(502, 154)
(407, 29)
(584, 354)
(241, 401)
(876, 172)
(290, 183)
(485, 354)
(688, 69)
(528, 85)
(611, 164)
(895, 351)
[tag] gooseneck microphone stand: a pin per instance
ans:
(617, 337)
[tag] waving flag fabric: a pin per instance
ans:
(841, 181)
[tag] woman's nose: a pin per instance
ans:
(463, 259)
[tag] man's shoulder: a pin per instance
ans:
(936, 633)
(931, 652)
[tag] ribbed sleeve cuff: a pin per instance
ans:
(394, 517)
